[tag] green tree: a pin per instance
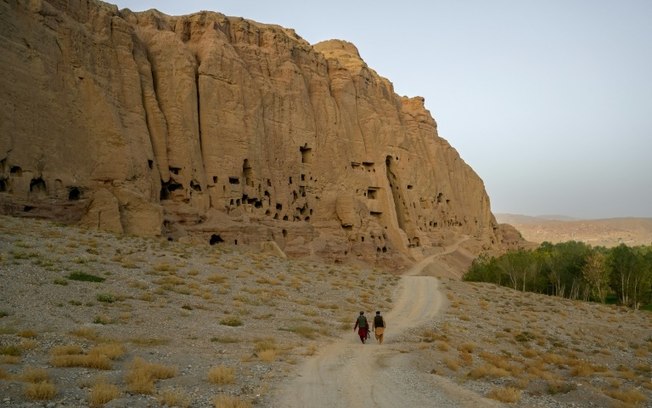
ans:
(596, 274)
(628, 275)
(520, 267)
(563, 267)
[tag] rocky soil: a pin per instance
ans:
(230, 326)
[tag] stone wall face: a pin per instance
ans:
(213, 126)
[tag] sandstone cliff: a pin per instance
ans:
(222, 129)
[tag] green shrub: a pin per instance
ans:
(84, 277)
(10, 350)
(106, 298)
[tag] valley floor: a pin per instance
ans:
(181, 325)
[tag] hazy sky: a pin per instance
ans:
(549, 101)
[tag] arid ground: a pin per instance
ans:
(608, 232)
(94, 319)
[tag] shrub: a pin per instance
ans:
(28, 334)
(86, 333)
(97, 361)
(85, 277)
(221, 375)
(628, 396)
(559, 387)
(442, 345)
(268, 355)
(66, 350)
(141, 375)
(506, 394)
(452, 365)
(466, 347)
(102, 319)
(231, 321)
(40, 391)
(34, 375)
(10, 350)
(102, 392)
(487, 370)
(106, 298)
(174, 398)
(581, 369)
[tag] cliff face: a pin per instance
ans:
(224, 129)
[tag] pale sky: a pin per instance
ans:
(549, 101)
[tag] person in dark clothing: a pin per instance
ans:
(379, 327)
(363, 327)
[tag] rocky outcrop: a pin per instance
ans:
(224, 129)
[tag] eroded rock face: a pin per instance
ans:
(207, 125)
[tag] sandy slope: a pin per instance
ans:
(349, 374)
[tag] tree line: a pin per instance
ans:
(573, 270)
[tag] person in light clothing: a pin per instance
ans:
(379, 327)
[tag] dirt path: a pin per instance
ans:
(348, 373)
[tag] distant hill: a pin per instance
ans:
(607, 232)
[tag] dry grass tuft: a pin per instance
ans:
(28, 334)
(628, 396)
(99, 357)
(97, 361)
(507, 394)
(555, 386)
(141, 375)
(268, 355)
(66, 350)
(86, 333)
(110, 350)
(172, 397)
(9, 359)
(221, 375)
(102, 392)
(581, 369)
(466, 348)
(488, 370)
(34, 375)
(40, 391)
(227, 401)
(452, 364)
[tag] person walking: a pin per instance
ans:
(379, 327)
(363, 327)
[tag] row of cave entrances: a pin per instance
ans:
(38, 186)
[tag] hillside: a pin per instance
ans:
(220, 128)
(205, 326)
(601, 232)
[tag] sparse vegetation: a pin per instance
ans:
(173, 397)
(10, 350)
(102, 392)
(536, 344)
(85, 277)
(505, 394)
(40, 391)
(231, 321)
(141, 375)
(227, 401)
(221, 375)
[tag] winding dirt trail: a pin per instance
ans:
(350, 374)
